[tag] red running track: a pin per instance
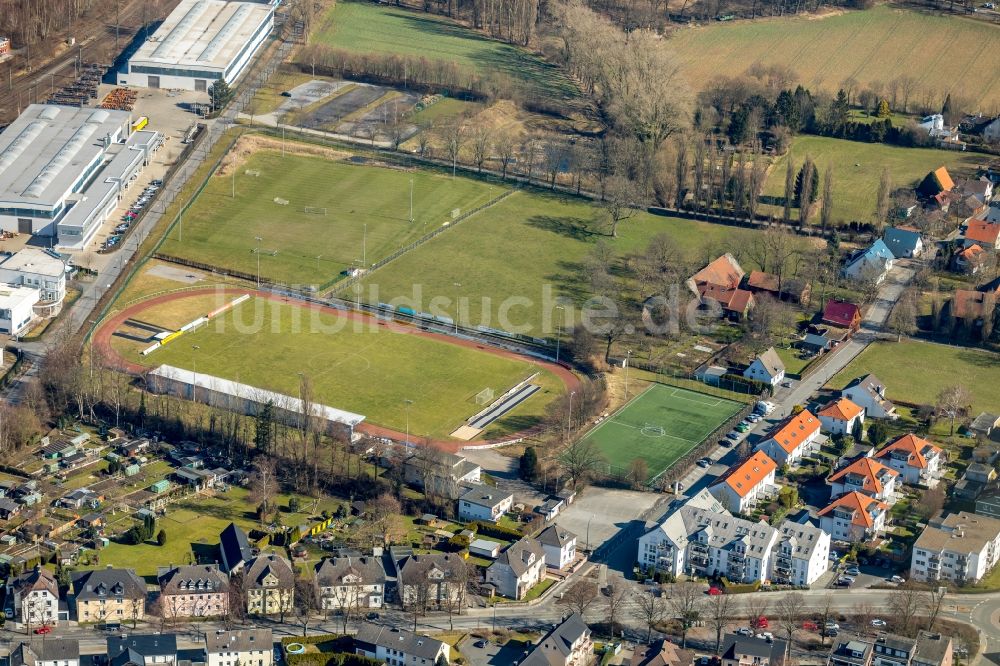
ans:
(102, 344)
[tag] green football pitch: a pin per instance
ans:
(660, 426)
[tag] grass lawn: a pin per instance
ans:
(307, 248)
(790, 357)
(514, 259)
(857, 169)
(660, 426)
(370, 28)
(916, 372)
(878, 44)
(355, 366)
(445, 108)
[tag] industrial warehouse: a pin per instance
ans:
(201, 42)
(63, 169)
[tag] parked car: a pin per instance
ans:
(480, 644)
(879, 623)
(742, 427)
(44, 629)
(725, 442)
(852, 571)
(832, 625)
(762, 623)
(733, 436)
(898, 580)
(704, 462)
(744, 631)
(808, 625)
(714, 591)
(754, 418)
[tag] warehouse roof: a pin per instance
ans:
(203, 33)
(48, 147)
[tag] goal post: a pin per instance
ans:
(313, 210)
(485, 396)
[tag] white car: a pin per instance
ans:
(898, 580)
(832, 625)
(704, 462)
(878, 623)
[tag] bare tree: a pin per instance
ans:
(757, 606)
(305, 601)
(825, 612)
(686, 605)
(722, 609)
(581, 461)
(264, 484)
(904, 603)
(865, 613)
(482, 143)
(385, 518)
(581, 595)
(236, 602)
(505, 149)
(953, 401)
(616, 598)
(619, 201)
(903, 318)
(826, 210)
(933, 603)
(789, 611)
(650, 607)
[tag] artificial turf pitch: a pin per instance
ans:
(660, 426)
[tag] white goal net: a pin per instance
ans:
(485, 396)
(314, 211)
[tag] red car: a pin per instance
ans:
(762, 622)
(715, 591)
(44, 629)
(810, 626)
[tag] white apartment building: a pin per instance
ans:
(699, 542)
(854, 518)
(41, 269)
(350, 582)
(867, 476)
(746, 483)
(801, 554)
(918, 461)
(35, 596)
(559, 545)
(960, 548)
(793, 438)
(17, 309)
(517, 569)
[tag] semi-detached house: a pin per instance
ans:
(793, 438)
(746, 483)
(867, 476)
(918, 461)
(350, 582)
(854, 518)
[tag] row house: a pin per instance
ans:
(240, 647)
(919, 462)
(792, 439)
(867, 476)
(193, 591)
(108, 595)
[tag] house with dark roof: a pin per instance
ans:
(842, 314)
(661, 653)
(767, 368)
(482, 502)
(269, 581)
(567, 644)
(936, 182)
(399, 646)
(432, 580)
(440, 473)
(198, 590)
(48, 652)
(350, 582)
(234, 547)
(559, 545)
(142, 650)
(743, 650)
(927, 649)
(35, 596)
(517, 569)
(239, 647)
(903, 241)
(868, 392)
(108, 595)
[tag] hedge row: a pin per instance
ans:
(496, 531)
(309, 640)
(331, 659)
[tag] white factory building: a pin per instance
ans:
(200, 42)
(40, 269)
(63, 169)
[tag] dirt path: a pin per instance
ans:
(102, 345)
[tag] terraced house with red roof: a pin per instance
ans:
(793, 438)
(854, 518)
(866, 476)
(746, 483)
(919, 462)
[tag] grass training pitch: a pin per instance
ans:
(940, 366)
(660, 426)
(353, 365)
(857, 171)
(380, 29)
(878, 44)
(533, 246)
(299, 247)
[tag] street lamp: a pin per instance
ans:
(569, 415)
(407, 402)
(259, 240)
(559, 330)
(194, 373)
(628, 355)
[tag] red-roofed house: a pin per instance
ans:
(839, 416)
(792, 438)
(792, 290)
(866, 476)
(719, 282)
(842, 314)
(746, 483)
(969, 260)
(854, 517)
(918, 461)
(982, 233)
(971, 305)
